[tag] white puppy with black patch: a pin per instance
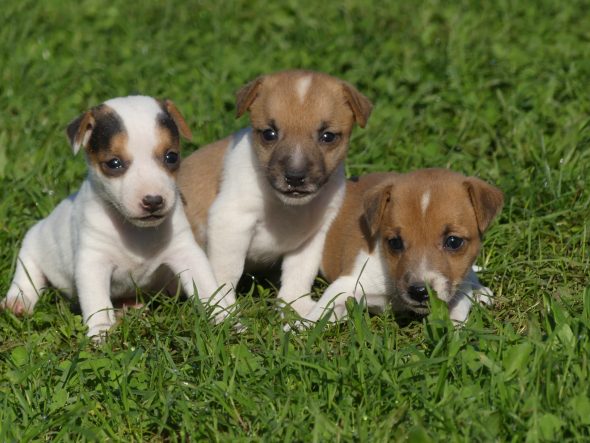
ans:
(269, 193)
(126, 227)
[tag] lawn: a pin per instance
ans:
(495, 89)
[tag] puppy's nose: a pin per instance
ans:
(418, 292)
(295, 177)
(152, 203)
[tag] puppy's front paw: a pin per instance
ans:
(483, 295)
(99, 332)
(18, 305)
(301, 306)
(298, 325)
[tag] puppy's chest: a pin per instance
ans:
(144, 274)
(283, 231)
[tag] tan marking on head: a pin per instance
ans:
(178, 119)
(166, 143)
(117, 148)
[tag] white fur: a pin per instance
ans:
(88, 247)
(302, 87)
(248, 223)
(424, 202)
(369, 283)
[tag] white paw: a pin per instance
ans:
(301, 306)
(298, 325)
(18, 305)
(483, 295)
(98, 332)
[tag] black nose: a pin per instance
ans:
(152, 203)
(418, 292)
(295, 177)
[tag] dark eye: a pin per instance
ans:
(270, 135)
(396, 244)
(114, 163)
(327, 137)
(453, 243)
(171, 157)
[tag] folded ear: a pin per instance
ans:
(79, 131)
(246, 95)
(175, 114)
(375, 202)
(487, 201)
(360, 105)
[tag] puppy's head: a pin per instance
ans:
(429, 226)
(301, 124)
(132, 149)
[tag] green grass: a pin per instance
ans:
(497, 89)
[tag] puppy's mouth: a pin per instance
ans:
(149, 219)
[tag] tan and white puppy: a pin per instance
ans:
(399, 235)
(270, 192)
(125, 227)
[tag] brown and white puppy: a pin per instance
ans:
(270, 192)
(399, 235)
(125, 228)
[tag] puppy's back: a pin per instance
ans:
(348, 233)
(199, 179)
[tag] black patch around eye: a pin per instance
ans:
(164, 120)
(396, 244)
(453, 243)
(107, 126)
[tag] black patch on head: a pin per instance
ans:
(165, 121)
(107, 125)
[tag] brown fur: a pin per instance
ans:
(384, 206)
(350, 231)
(198, 179)
(273, 101)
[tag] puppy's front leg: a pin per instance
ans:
(93, 285)
(470, 290)
(228, 237)
(333, 298)
(194, 270)
(299, 271)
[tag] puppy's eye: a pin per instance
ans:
(270, 135)
(114, 163)
(171, 157)
(328, 137)
(396, 244)
(453, 243)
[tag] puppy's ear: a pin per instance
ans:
(360, 105)
(79, 131)
(175, 114)
(246, 95)
(487, 201)
(375, 202)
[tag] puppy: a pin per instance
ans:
(399, 235)
(270, 192)
(125, 227)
